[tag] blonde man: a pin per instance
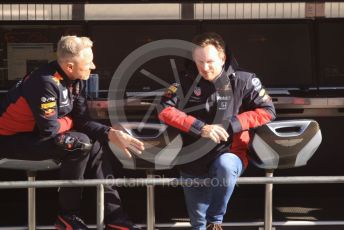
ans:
(47, 114)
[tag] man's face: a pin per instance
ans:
(83, 65)
(209, 61)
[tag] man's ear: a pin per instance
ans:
(223, 57)
(69, 66)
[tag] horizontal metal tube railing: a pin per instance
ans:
(224, 224)
(131, 182)
(168, 182)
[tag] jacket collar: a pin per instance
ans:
(230, 71)
(62, 73)
(224, 77)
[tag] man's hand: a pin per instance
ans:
(215, 132)
(125, 142)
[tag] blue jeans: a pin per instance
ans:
(208, 204)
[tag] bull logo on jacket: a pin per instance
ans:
(57, 78)
(48, 106)
(171, 90)
(197, 91)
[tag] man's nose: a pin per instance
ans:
(93, 66)
(205, 66)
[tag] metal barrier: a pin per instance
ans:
(99, 183)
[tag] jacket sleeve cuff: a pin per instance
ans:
(235, 124)
(196, 127)
(106, 134)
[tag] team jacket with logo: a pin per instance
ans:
(236, 99)
(46, 103)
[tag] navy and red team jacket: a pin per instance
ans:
(46, 102)
(246, 106)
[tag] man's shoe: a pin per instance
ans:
(70, 222)
(122, 226)
(213, 226)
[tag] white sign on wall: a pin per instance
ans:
(24, 57)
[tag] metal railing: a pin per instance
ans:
(151, 182)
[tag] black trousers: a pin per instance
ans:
(75, 165)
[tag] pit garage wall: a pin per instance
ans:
(313, 90)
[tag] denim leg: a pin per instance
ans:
(197, 200)
(224, 172)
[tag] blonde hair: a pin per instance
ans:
(70, 47)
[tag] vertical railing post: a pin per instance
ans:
(31, 202)
(268, 202)
(100, 207)
(150, 203)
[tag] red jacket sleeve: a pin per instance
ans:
(175, 117)
(66, 124)
(257, 107)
